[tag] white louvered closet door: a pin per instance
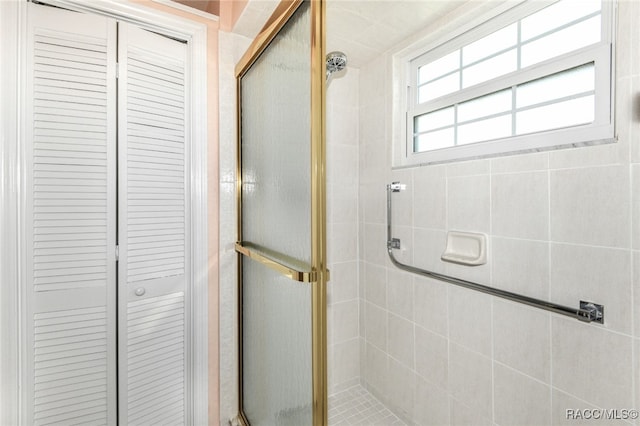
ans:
(69, 288)
(153, 229)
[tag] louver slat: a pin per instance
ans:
(77, 378)
(47, 126)
(155, 357)
(154, 245)
(70, 179)
(147, 80)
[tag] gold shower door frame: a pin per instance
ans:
(318, 275)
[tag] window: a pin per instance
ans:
(531, 78)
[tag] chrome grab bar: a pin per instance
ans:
(588, 312)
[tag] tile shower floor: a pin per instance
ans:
(356, 406)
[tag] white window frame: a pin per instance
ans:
(12, 47)
(431, 48)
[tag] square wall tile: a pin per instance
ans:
(375, 285)
(375, 319)
(400, 293)
(342, 204)
(400, 389)
(520, 163)
(625, 120)
(595, 274)
(373, 198)
(375, 244)
(343, 245)
(432, 357)
(462, 415)
(430, 197)
(372, 121)
(431, 405)
(342, 123)
(519, 399)
(624, 39)
(468, 204)
(636, 375)
(635, 206)
(346, 362)
(634, 128)
(636, 295)
(520, 205)
(401, 341)
(342, 164)
(522, 339)
(375, 162)
(591, 206)
(520, 266)
(586, 357)
(468, 168)
(375, 369)
(430, 305)
(470, 319)
(428, 247)
(470, 380)
(345, 321)
(343, 285)
(615, 152)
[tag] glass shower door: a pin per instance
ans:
(281, 235)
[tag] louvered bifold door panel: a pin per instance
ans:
(153, 229)
(70, 217)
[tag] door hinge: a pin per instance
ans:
(117, 253)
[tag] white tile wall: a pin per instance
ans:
(522, 400)
(343, 250)
(562, 225)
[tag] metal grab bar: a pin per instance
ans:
(588, 312)
(268, 259)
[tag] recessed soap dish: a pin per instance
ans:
(465, 248)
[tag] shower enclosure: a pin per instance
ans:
(281, 224)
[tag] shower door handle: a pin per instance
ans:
(277, 262)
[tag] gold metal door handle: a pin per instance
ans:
(268, 259)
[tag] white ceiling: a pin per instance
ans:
(363, 29)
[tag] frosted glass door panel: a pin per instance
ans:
(277, 378)
(276, 153)
(277, 373)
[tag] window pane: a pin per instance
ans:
(555, 116)
(570, 82)
(434, 140)
(440, 87)
(493, 43)
(493, 128)
(439, 67)
(555, 16)
(434, 120)
(574, 37)
(491, 104)
(491, 68)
